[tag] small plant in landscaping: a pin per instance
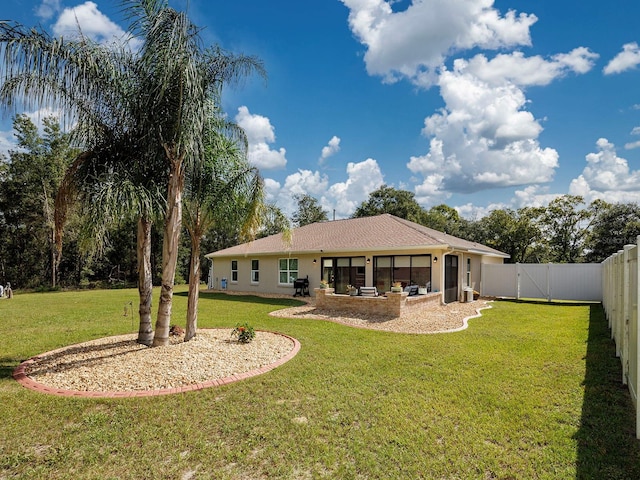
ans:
(243, 333)
(176, 330)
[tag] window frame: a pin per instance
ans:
(397, 262)
(288, 271)
(255, 272)
(234, 271)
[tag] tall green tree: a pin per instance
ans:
(613, 227)
(273, 222)
(223, 189)
(565, 223)
(32, 178)
(385, 199)
(515, 232)
(309, 211)
(445, 219)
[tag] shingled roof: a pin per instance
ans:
(381, 232)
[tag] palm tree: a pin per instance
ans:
(97, 89)
(224, 188)
(110, 189)
(145, 107)
(180, 78)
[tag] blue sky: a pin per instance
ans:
(478, 104)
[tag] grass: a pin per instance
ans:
(528, 391)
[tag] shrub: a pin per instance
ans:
(243, 333)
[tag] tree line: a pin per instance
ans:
(567, 230)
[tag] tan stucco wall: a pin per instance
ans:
(269, 274)
(493, 260)
(269, 269)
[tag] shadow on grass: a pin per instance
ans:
(7, 366)
(224, 297)
(540, 301)
(606, 440)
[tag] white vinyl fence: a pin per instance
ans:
(620, 302)
(551, 281)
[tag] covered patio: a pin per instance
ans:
(392, 304)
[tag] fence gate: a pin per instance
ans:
(551, 281)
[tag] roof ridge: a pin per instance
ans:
(418, 227)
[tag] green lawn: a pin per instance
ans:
(528, 391)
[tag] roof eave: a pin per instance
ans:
(333, 251)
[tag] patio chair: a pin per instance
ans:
(368, 291)
(411, 289)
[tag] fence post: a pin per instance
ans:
(636, 381)
(517, 281)
(619, 312)
(627, 299)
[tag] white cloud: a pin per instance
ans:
(414, 43)
(363, 178)
(271, 188)
(431, 191)
(475, 212)
(260, 134)
(92, 23)
(482, 139)
(342, 197)
(627, 59)
(299, 183)
(607, 176)
(533, 196)
(47, 9)
(636, 144)
(525, 71)
(306, 182)
(330, 149)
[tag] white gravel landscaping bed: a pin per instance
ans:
(120, 364)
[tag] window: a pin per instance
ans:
(468, 272)
(382, 274)
(407, 269)
(343, 271)
(234, 270)
(288, 271)
(255, 273)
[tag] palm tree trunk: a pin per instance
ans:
(54, 260)
(194, 288)
(145, 283)
(170, 245)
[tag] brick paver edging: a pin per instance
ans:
(21, 377)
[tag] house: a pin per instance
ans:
(370, 251)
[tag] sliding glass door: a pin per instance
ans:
(343, 271)
(406, 269)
